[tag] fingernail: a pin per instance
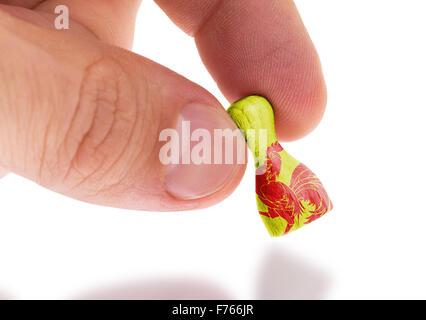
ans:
(189, 179)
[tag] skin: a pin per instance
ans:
(51, 94)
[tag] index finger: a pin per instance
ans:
(258, 47)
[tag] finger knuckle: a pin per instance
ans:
(101, 128)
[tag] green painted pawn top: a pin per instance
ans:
(255, 116)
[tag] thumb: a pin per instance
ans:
(3, 172)
(84, 119)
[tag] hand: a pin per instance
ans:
(81, 115)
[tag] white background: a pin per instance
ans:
(368, 152)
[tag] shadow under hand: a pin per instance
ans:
(174, 289)
(4, 297)
(286, 276)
